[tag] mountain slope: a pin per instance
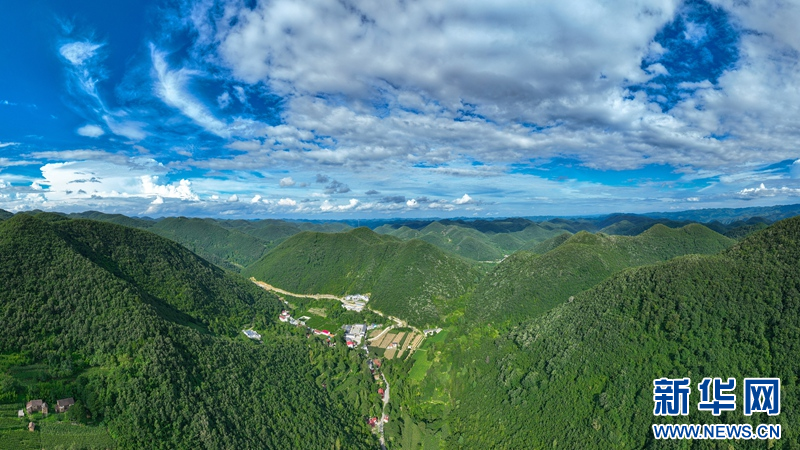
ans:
(484, 241)
(410, 279)
(146, 336)
(231, 249)
(526, 284)
(581, 376)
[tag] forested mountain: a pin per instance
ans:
(728, 215)
(410, 279)
(526, 284)
(469, 242)
(146, 337)
(5, 214)
(581, 375)
(227, 248)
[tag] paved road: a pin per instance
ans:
(383, 413)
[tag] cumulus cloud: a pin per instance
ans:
(336, 187)
(287, 182)
(180, 190)
(233, 198)
(327, 206)
(256, 198)
(322, 178)
(158, 201)
(763, 191)
(463, 200)
(90, 130)
(287, 202)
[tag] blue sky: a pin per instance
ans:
(331, 109)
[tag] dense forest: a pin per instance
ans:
(526, 284)
(146, 337)
(557, 345)
(580, 376)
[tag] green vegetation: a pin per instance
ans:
(581, 375)
(146, 337)
(411, 279)
(471, 243)
(526, 284)
(231, 249)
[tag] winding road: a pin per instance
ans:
(383, 411)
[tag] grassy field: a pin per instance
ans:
(421, 365)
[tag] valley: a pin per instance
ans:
(125, 317)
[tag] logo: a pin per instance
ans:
(762, 395)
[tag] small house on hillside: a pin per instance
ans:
(31, 426)
(34, 406)
(64, 404)
(252, 334)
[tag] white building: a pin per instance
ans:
(252, 334)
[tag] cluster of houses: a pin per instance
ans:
(431, 331)
(374, 364)
(355, 302)
(40, 405)
(354, 334)
(373, 421)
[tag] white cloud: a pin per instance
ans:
(256, 198)
(224, 100)
(463, 200)
(763, 191)
(77, 53)
(181, 190)
(8, 144)
(327, 206)
(170, 88)
(90, 131)
(36, 186)
(287, 182)
(240, 94)
(158, 201)
(411, 203)
(233, 198)
(287, 202)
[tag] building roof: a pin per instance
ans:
(38, 402)
(66, 402)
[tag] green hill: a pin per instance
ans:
(146, 337)
(484, 241)
(227, 248)
(410, 279)
(5, 214)
(581, 376)
(545, 246)
(526, 284)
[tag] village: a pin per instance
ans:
(40, 406)
(377, 341)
